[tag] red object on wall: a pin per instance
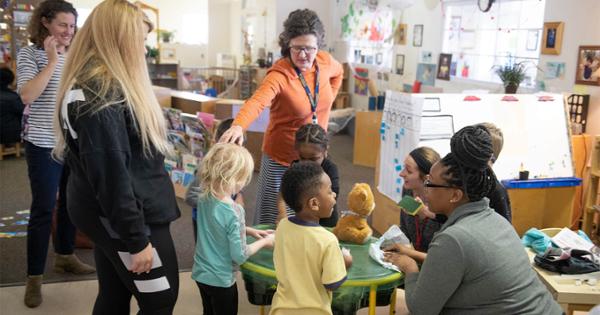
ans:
(416, 88)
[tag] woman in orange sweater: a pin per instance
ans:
(299, 89)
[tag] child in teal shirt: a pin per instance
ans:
(221, 246)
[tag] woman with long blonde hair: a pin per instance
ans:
(112, 134)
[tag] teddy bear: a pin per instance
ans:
(353, 227)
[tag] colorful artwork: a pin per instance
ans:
(426, 73)
(443, 72)
(366, 23)
(554, 70)
(361, 80)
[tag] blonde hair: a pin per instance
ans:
(225, 167)
(497, 139)
(107, 58)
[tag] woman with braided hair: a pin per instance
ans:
(475, 263)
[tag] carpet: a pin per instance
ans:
(15, 197)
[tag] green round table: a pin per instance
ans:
(368, 283)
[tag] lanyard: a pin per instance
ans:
(419, 232)
(313, 101)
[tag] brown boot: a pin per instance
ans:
(72, 264)
(33, 291)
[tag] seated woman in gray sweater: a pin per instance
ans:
(475, 263)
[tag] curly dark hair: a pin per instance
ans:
(300, 182)
(47, 10)
(298, 23)
(312, 133)
(468, 168)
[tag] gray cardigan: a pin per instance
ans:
(476, 264)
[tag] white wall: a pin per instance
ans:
(170, 13)
(220, 29)
(324, 8)
(582, 23)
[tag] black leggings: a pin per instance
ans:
(156, 291)
(218, 300)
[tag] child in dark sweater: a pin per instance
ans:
(312, 144)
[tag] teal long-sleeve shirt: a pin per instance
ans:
(221, 245)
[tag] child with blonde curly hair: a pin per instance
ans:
(221, 244)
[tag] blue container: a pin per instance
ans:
(372, 103)
(542, 183)
(380, 102)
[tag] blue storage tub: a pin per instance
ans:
(542, 183)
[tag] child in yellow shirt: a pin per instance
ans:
(309, 263)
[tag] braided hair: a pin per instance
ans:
(468, 168)
(300, 180)
(314, 134)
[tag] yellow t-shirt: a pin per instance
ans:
(307, 257)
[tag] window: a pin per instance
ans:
(510, 32)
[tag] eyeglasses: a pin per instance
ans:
(306, 49)
(427, 184)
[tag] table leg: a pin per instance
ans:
(393, 302)
(372, 299)
(261, 310)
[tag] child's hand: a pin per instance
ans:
(347, 257)
(269, 240)
(258, 234)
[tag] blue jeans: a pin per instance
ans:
(45, 176)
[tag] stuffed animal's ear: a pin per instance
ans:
(363, 195)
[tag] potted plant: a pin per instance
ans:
(165, 35)
(511, 75)
(151, 54)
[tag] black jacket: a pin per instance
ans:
(11, 112)
(111, 176)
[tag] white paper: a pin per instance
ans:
(569, 239)
(393, 235)
(399, 132)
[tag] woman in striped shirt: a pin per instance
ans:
(39, 68)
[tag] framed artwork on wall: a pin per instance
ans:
(418, 35)
(399, 64)
(443, 71)
(588, 65)
(552, 38)
(400, 35)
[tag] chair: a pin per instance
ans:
(9, 149)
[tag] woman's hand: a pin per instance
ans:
(403, 262)
(50, 44)
(424, 212)
(142, 261)
(258, 234)
(235, 134)
(397, 248)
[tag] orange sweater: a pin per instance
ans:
(290, 108)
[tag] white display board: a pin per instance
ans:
(399, 134)
(535, 129)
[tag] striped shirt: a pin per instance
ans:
(30, 62)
